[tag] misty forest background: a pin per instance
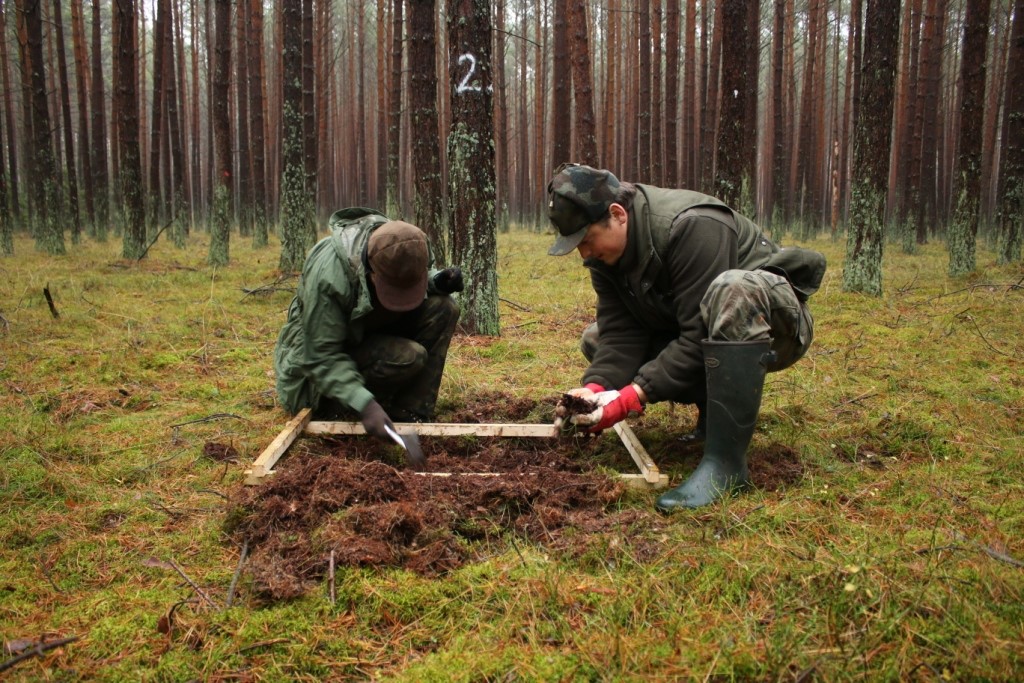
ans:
(881, 121)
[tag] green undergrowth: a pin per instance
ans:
(884, 541)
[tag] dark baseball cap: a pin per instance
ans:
(578, 197)
(397, 254)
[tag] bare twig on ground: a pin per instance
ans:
(36, 651)
(199, 591)
(984, 285)
(209, 418)
(518, 307)
(274, 286)
(263, 643)
(238, 572)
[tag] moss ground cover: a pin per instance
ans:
(892, 547)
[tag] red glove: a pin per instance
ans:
(596, 388)
(613, 407)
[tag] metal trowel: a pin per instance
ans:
(411, 443)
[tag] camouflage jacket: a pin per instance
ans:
(327, 316)
(678, 242)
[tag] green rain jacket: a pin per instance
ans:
(327, 316)
(678, 242)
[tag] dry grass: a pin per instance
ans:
(892, 551)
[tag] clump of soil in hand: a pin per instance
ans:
(570, 405)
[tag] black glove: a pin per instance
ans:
(375, 420)
(449, 280)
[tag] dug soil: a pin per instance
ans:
(354, 498)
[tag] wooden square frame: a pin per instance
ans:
(648, 477)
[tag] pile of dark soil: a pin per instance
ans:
(355, 497)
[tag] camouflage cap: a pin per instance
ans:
(578, 196)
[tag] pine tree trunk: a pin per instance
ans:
(296, 207)
(863, 268)
(69, 146)
(471, 162)
(426, 153)
(82, 93)
(125, 111)
(582, 85)
(157, 204)
(644, 169)
(730, 169)
(1011, 176)
(8, 113)
(394, 199)
(98, 129)
(43, 179)
(931, 69)
(258, 133)
(672, 103)
(561, 74)
(223, 185)
(963, 230)
(245, 192)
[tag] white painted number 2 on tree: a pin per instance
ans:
(465, 85)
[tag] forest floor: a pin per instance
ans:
(883, 539)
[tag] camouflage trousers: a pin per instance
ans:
(743, 305)
(402, 360)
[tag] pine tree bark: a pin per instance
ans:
(82, 93)
(158, 130)
(582, 85)
(426, 152)
(963, 230)
(244, 165)
(98, 129)
(394, 200)
(74, 213)
(643, 139)
(257, 130)
(1011, 176)
(471, 162)
(8, 113)
(862, 271)
(48, 230)
(223, 185)
(561, 75)
(729, 179)
(932, 41)
(672, 104)
(125, 111)
(296, 206)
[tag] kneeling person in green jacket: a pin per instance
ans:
(694, 305)
(369, 328)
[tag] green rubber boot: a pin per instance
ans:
(735, 377)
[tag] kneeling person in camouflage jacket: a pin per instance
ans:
(370, 325)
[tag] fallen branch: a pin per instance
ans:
(155, 238)
(37, 651)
